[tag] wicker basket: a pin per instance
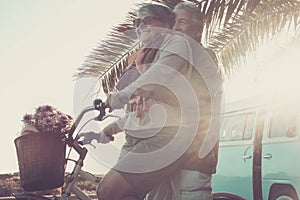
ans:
(41, 159)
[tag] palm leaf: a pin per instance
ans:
(234, 29)
(248, 30)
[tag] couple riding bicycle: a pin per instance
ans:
(173, 94)
(172, 114)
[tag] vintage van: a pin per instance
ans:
(259, 154)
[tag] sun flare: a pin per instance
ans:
(273, 73)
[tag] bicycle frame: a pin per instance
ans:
(70, 187)
(70, 182)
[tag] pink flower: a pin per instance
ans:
(48, 119)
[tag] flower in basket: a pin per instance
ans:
(47, 119)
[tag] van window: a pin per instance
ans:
(249, 127)
(285, 123)
(237, 127)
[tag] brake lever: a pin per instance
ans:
(81, 143)
(92, 145)
(115, 116)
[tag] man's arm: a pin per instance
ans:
(115, 127)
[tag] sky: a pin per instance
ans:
(42, 43)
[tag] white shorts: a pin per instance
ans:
(186, 185)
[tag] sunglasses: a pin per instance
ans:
(146, 20)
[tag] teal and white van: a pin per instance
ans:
(259, 154)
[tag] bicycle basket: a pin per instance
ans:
(41, 159)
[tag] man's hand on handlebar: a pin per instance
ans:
(100, 137)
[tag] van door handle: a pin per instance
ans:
(247, 157)
(268, 156)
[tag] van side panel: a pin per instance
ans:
(234, 174)
(280, 152)
(234, 171)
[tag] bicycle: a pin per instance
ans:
(69, 186)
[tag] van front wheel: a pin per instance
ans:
(286, 193)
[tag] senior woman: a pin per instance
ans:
(155, 133)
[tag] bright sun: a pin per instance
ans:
(274, 71)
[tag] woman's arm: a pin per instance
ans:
(172, 60)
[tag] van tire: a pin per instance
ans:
(283, 193)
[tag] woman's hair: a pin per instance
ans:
(197, 15)
(162, 12)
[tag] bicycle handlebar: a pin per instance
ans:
(98, 105)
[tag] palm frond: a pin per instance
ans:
(234, 29)
(246, 32)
